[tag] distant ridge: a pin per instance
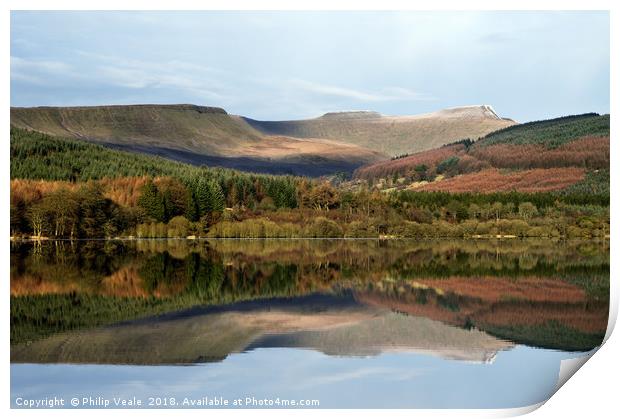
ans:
(351, 115)
(392, 135)
(147, 106)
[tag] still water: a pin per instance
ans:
(333, 323)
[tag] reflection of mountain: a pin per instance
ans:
(335, 325)
(525, 291)
(392, 332)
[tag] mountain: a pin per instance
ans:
(194, 134)
(334, 142)
(392, 135)
(570, 152)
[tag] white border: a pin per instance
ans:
(592, 392)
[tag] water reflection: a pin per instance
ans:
(178, 302)
(334, 325)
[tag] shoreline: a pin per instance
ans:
(201, 238)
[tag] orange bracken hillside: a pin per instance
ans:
(590, 152)
(493, 180)
(399, 166)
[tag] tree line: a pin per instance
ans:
(161, 198)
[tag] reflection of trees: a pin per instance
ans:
(206, 276)
(256, 266)
(161, 271)
(139, 278)
(534, 311)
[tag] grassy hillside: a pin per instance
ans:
(392, 135)
(194, 134)
(185, 127)
(569, 153)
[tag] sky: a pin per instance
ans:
(294, 65)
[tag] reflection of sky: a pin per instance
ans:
(518, 377)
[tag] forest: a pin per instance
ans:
(63, 188)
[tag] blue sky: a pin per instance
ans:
(289, 65)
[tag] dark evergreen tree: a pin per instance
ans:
(203, 196)
(152, 202)
(217, 200)
(191, 207)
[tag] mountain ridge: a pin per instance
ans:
(194, 134)
(392, 134)
(205, 135)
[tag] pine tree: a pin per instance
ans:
(152, 202)
(169, 207)
(217, 200)
(203, 197)
(191, 207)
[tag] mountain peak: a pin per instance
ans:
(471, 111)
(351, 115)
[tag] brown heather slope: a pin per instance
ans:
(194, 134)
(500, 304)
(586, 152)
(590, 152)
(392, 135)
(494, 180)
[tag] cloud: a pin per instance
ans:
(383, 95)
(198, 82)
(250, 62)
(120, 72)
(21, 66)
(24, 43)
(39, 71)
(496, 38)
(395, 374)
